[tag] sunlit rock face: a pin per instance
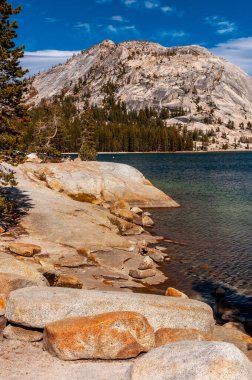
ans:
(210, 91)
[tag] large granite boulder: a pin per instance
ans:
(120, 335)
(92, 181)
(189, 360)
(38, 306)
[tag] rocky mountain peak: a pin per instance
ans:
(205, 91)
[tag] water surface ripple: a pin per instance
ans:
(215, 219)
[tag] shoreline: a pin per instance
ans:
(177, 152)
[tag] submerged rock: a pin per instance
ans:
(38, 306)
(192, 360)
(120, 335)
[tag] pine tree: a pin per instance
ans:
(12, 84)
(88, 145)
(11, 91)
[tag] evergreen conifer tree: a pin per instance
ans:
(88, 145)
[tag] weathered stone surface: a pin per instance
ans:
(191, 361)
(24, 249)
(28, 271)
(10, 282)
(107, 181)
(121, 204)
(3, 322)
(124, 214)
(147, 221)
(155, 255)
(136, 210)
(22, 333)
(172, 292)
(120, 335)
(146, 263)
(231, 335)
(166, 336)
(38, 306)
(140, 274)
(67, 281)
(2, 304)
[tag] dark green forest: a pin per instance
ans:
(60, 125)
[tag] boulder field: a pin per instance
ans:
(66, 273)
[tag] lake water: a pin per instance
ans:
(215, 220)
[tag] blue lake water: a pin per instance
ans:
(215, 220)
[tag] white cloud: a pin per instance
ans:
(51, 20)
(237, 51)
(37, 61)
(117, 18)
(167, 9)
(172, 34)
(111, 29)
(83, 25)
(222, 25)
(129, 2)
(151, 4)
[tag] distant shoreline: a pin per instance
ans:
(177, 152)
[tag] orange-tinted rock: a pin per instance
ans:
(2, 304)
(166, 336)
(24, 249)
(231, 335)
(120, 204)
(172, 292)
(2, 230)
(3, 322)
(116, 335)
(67, 281)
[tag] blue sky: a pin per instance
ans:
(52, 30)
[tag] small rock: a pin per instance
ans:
(136, 210)
(235, 325)
(22, 333)
(116, 335)
(2, 304)
(172, 292)
(160, 248)
(120, 204)
(147, 263)
(146, 213)
(24, 249)
(155, 255)
(124, 214)
(28, 271)
(3, 322)
(140, 274)
(190, 361)
(10, 282)
(231, 335)
(167, 259)
(32, 157)
(165, 336)
(2, 230)
(147, 221)
(67, 281)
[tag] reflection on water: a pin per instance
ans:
(215, 219)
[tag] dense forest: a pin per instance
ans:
(60, 125)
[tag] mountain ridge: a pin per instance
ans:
(206, 92)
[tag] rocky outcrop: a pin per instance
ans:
(146, 74)
(38, 306)
(120, 335)
(100, 181)
(192, 360)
